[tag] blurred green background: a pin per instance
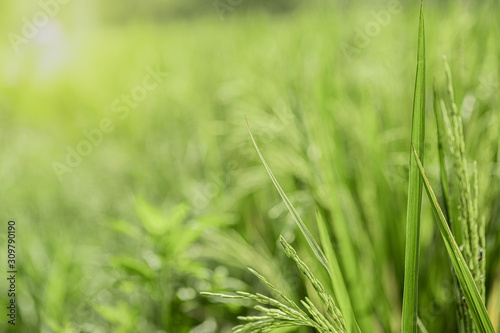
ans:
(128, 168)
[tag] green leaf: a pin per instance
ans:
(134, 267)
(178, 243)
(152, 219)
(122, 314)
(155, 222)
(474, 301)
(410, 295)
(421, 326)
(336, 278)
(307, 234)
(126, 228)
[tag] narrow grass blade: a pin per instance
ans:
(469, 288)
(307, 234)
(410, 294)
(336, 278)
(421, 326)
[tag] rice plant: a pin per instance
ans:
(336, 132)
(467, 226)
(467, 262)
(289, 314)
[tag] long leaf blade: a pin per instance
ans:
(469, 288)
(336, 278)
(410, 295)
(303, 228)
